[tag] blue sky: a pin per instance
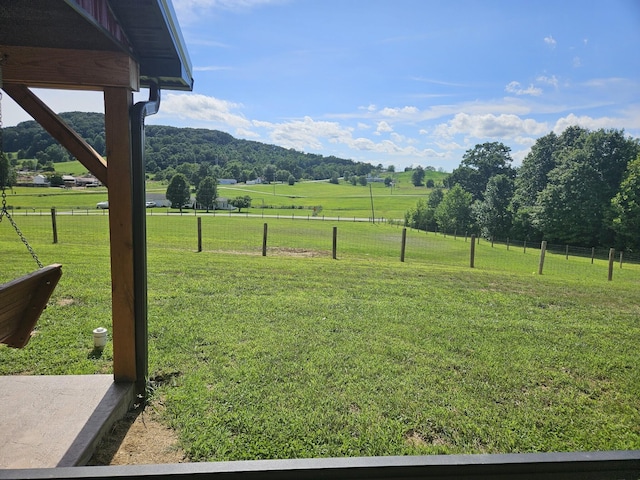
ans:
(401, 82)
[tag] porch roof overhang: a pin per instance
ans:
(145, 31)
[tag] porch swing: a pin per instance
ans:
(22, 300)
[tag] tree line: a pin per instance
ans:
(581, 188)
(171, 150)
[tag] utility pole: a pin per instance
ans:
(373, 215)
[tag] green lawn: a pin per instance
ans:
(298, 355)
(343, 200)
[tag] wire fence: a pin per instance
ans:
(316, 237)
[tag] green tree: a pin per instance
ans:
(178, 191)
(417, 177)
(241, 202)
(532, 174)
(569, 209)
(55, 180)
(626, 208)
(282, 175)
(454, 211)
(362, 180)
(388, 181)
(7, 172)
(207, 192)
(269, 173)
(417, 217)
(492, 214)
(481, 163)
(334, 178)
(291, 180)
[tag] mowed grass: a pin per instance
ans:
(298, 355)
(343, 200)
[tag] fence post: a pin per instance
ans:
(54, 226)
(455, 234)
(491, 241)
(620, 259)
(593, 254)
(507, 244)
(543, 249)
(525, 247)
(472, 259)
(264, 241)
(199, 234)
(566, 252)
(612, 253)
(335, 241)
(404, 244)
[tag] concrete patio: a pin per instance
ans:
(57, 421)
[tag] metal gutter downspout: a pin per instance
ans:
(138, 113)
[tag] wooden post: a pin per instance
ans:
(264, 241)
(54, 225)
(404, 244)
(593, 254)
(335, 242)
(472, 260)
(117, 102)
(199, 234)
(491, 241)
(612, 254)
(620, 259)
(525, 247)
(543, 250)
(566, 253)
(507, 244)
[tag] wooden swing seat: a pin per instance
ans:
(22, 301)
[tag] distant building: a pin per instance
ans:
(88, 181)
(69, 181)
(40, 181)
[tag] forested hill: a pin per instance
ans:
(168, 147)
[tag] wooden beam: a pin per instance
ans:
(59, 130)
(117, 102)
(69, 69)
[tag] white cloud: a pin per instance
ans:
(306, 133)
(550, 41)
(552, 80)
(515, 87)
(491, 126)
(576, 62)
(57, 100)
(587, 122)
(383, 127)
(399, 112)
(204, 108)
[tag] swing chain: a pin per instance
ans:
(4, 212)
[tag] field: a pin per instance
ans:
(275, 199)
(299, 355)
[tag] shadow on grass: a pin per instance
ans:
(95, 354)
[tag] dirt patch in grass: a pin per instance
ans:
(66, 301)
(139, 438)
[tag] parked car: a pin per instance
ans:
(150, 204)
(102, 205)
